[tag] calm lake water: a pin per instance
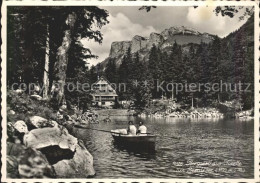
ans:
(209, 148)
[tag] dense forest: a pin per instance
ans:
(44, 48)
(218, 66)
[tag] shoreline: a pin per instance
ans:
(40, 143)
(200, 113)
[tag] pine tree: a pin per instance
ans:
(153, 67)
(92, 74)
(204, 72)
(66, 25)
(111, 71)
(123, 70)
(214, 61)
(141, 91)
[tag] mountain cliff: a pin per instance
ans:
(182, 35)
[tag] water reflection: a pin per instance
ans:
(207, 141)
(141, 152)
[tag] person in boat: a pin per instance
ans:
(131, 128)
(142, 130)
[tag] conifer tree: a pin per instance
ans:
(214, 65)
(111, 71)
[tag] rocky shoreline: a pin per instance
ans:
(41, 142)
(43, 148)
(165, 108)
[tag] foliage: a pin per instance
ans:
(28, 29)
(229, 60)
(24, 106)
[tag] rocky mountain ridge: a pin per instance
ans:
(182, 35)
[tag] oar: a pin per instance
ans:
(78, 126)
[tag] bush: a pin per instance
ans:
(26, 107)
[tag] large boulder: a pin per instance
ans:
(25, 162)
(80, 166)
(56, 143)
(40, 122)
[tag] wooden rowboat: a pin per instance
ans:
(143, 141)
(135, 141)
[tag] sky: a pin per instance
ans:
(126, 22)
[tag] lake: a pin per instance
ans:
(208, 148)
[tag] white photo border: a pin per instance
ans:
(128, 3)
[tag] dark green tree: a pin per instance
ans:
(111, 71)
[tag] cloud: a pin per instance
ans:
(126, 22)
(204, 19)
(120, 28)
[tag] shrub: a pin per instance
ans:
(26, 107)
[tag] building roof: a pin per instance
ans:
(109, 90)
(102, 80)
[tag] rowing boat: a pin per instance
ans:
(135, 141)
(143, 141)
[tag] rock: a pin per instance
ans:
(21, 127)
(12, 134)
(59, 116)
(46, 137)
(119, 48)
(80, 166)
(54, 123)
(25, 162)
(182, 35)
(63, 107)
(154, 39)
(36, 97)
(74, 117)
(10, 130)
(39, 122)
(19, 91)
(68, 118)
(11, 112)
(138, 43)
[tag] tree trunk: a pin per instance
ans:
(60, 67)
(46, 67)
(192, 103)
(218, 98)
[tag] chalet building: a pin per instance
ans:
(104, 95)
